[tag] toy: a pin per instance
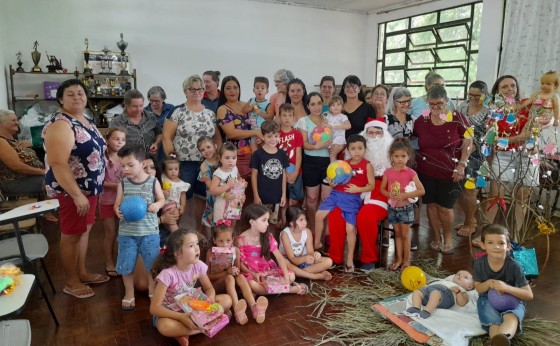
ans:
(339, 172)
(6, 285)
(320, 134)
(166, 185)
(413, 278)
(134, 208)
(9, 278)
(209, 317)
(291, 168)
(502, 301)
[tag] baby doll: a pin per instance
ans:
(544, 103)
(442, 294)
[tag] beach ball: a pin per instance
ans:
(133, 208)
(413, 278)
(320, 134)
(502, 302)
(339, 172)
(291, 168)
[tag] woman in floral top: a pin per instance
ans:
(75, 173)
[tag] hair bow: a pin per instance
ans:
(162, 250)
(225, 222)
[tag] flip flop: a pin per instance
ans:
(76, 292)
(435, 246)
(395, 267)
(130, 307)
(447, 249)
(239, 310)
(349, 268)
(259, 309)
(112, 273)
(302, 288)
(100, 279)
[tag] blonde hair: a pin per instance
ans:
(189, 81)
(336, 99)
(551, 76)
(4, 113)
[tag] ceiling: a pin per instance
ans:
(357, 6)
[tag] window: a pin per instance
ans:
(445, 41)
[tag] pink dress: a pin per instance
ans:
(251, 257)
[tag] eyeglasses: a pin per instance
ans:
(436, 104)
(379, 95)
(404, 102)
(276, 82)
(155, 101)
(474, 96)
(351, 86)
(196, 90)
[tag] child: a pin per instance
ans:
(401, 210)
(442, 294)
(174, 190)
(258, 107)
(140, 236)
(116, 139)
(347, 197)
(544, 103)
(256, 245)
(296, 244)
(268, 171)
(291, 141)
(499, 271)
(339, 123)
(209, 151)
(227, 205)
(176, 271)
(226, 280)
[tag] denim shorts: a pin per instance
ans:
(189, 174)
(489, 316)
(295, 190)
(401, 215)
(131, 246)
(447, 296)
(303, 265)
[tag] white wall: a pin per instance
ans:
(3, 84)
(489, 43)
(178, 38)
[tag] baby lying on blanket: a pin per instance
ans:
(442, 294)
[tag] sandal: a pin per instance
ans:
(349, 268)
(458, 226)
(395, 267)
(259, 309)
(239, 310)
(128, 307)
(80, 293)
(447, 249)
(435, 246)
(112, 273)
(477, 242)
(302, 288)
(466, 231)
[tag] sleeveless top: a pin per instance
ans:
(26, 155)
(86, 159)
(149, 224)
(259, 119)
(359, 175)
(306, 124)
(298, 247)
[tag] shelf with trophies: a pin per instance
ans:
(106, 75)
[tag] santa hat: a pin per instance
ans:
(376, 123)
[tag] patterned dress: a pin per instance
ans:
(206, 176)
(252, 259)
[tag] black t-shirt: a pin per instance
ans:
(269, 179)
(359, 118)
(511, 272)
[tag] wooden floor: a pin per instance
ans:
(100, 321)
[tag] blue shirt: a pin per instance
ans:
(165, 112)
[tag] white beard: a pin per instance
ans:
(377, 153)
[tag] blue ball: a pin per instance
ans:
(502, 302)
(133, 208)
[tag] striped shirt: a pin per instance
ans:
(149, 224)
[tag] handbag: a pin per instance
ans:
(527, 259)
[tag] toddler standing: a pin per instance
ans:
(140, 236)
(116, 139)
(174, 190)
(209, 151)
(339, 123)
(258, 107)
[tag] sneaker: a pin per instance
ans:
(413, 245)
(385, 242)
(366, 267)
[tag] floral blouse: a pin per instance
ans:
(86, 158)
(190, 127)
(240, 122)
(26, 155)
(398, 130)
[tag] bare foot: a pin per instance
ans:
(326, 275)
(395, 266)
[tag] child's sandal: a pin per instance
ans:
(259, 309)
(239, 311)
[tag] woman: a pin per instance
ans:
(420, 104)
(75, 173)
(477, 116)
(211, 96)
(511, 172)
(142, 128)
(236, 124)
(157, 106)
(185, 126)
(399, 121)
(357, 111)
(21, 171)
(297, 97)
(379, 98)
(315, 160)
(281, 79)
(441, 162)
(328, 88)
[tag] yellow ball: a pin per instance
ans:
(166, 185)
(413, 278)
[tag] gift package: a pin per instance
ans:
(233, 206)
(222, 259)
(209, 317)
(274, 284)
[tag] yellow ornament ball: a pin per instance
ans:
(166, 185)
(413, 278)
(470, 184)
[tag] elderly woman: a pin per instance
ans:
(397, 115)
(157, 104)
(441, 162)
(236, 124)
(420, 104)
(189, 122)
(75, 173)
(142, 128)
(281, 79)
(328, 88)
(21, 171)
(379, 98)
(297, 97)
(357, 111)
(211, 97)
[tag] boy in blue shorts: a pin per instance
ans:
(141, 236)
(499, 271)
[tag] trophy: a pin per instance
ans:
(87, 68)
(36, 56)
(108, 59)
(19, 63)
(122, 46)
